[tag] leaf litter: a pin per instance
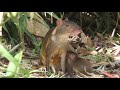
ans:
(105, 58)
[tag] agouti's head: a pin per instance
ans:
(68, 29)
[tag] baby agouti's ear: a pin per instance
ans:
(59, 22)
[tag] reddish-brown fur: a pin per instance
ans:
(56, 43)
(74, 62)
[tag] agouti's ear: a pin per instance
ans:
(59, 22)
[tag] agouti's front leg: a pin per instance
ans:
(63, 62)
(47, 63)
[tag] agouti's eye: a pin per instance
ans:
(70, 36)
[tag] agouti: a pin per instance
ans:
(56, 43)
(77, 63)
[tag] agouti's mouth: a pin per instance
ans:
(74, 38)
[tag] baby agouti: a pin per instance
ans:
(79, 64)
(56, 43)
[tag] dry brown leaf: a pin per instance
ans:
(35, 27)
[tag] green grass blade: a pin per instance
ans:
(12, 68)
(7, 55)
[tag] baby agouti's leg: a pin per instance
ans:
(71, 57)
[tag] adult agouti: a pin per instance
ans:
(56, 43)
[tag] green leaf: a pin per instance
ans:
(12, 68)
(53, 14)
(14, 61)
(13, 14)
(7, 55)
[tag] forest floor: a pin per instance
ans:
(104, 56)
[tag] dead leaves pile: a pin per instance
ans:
(105, 57)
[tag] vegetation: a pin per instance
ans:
(22, 32)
